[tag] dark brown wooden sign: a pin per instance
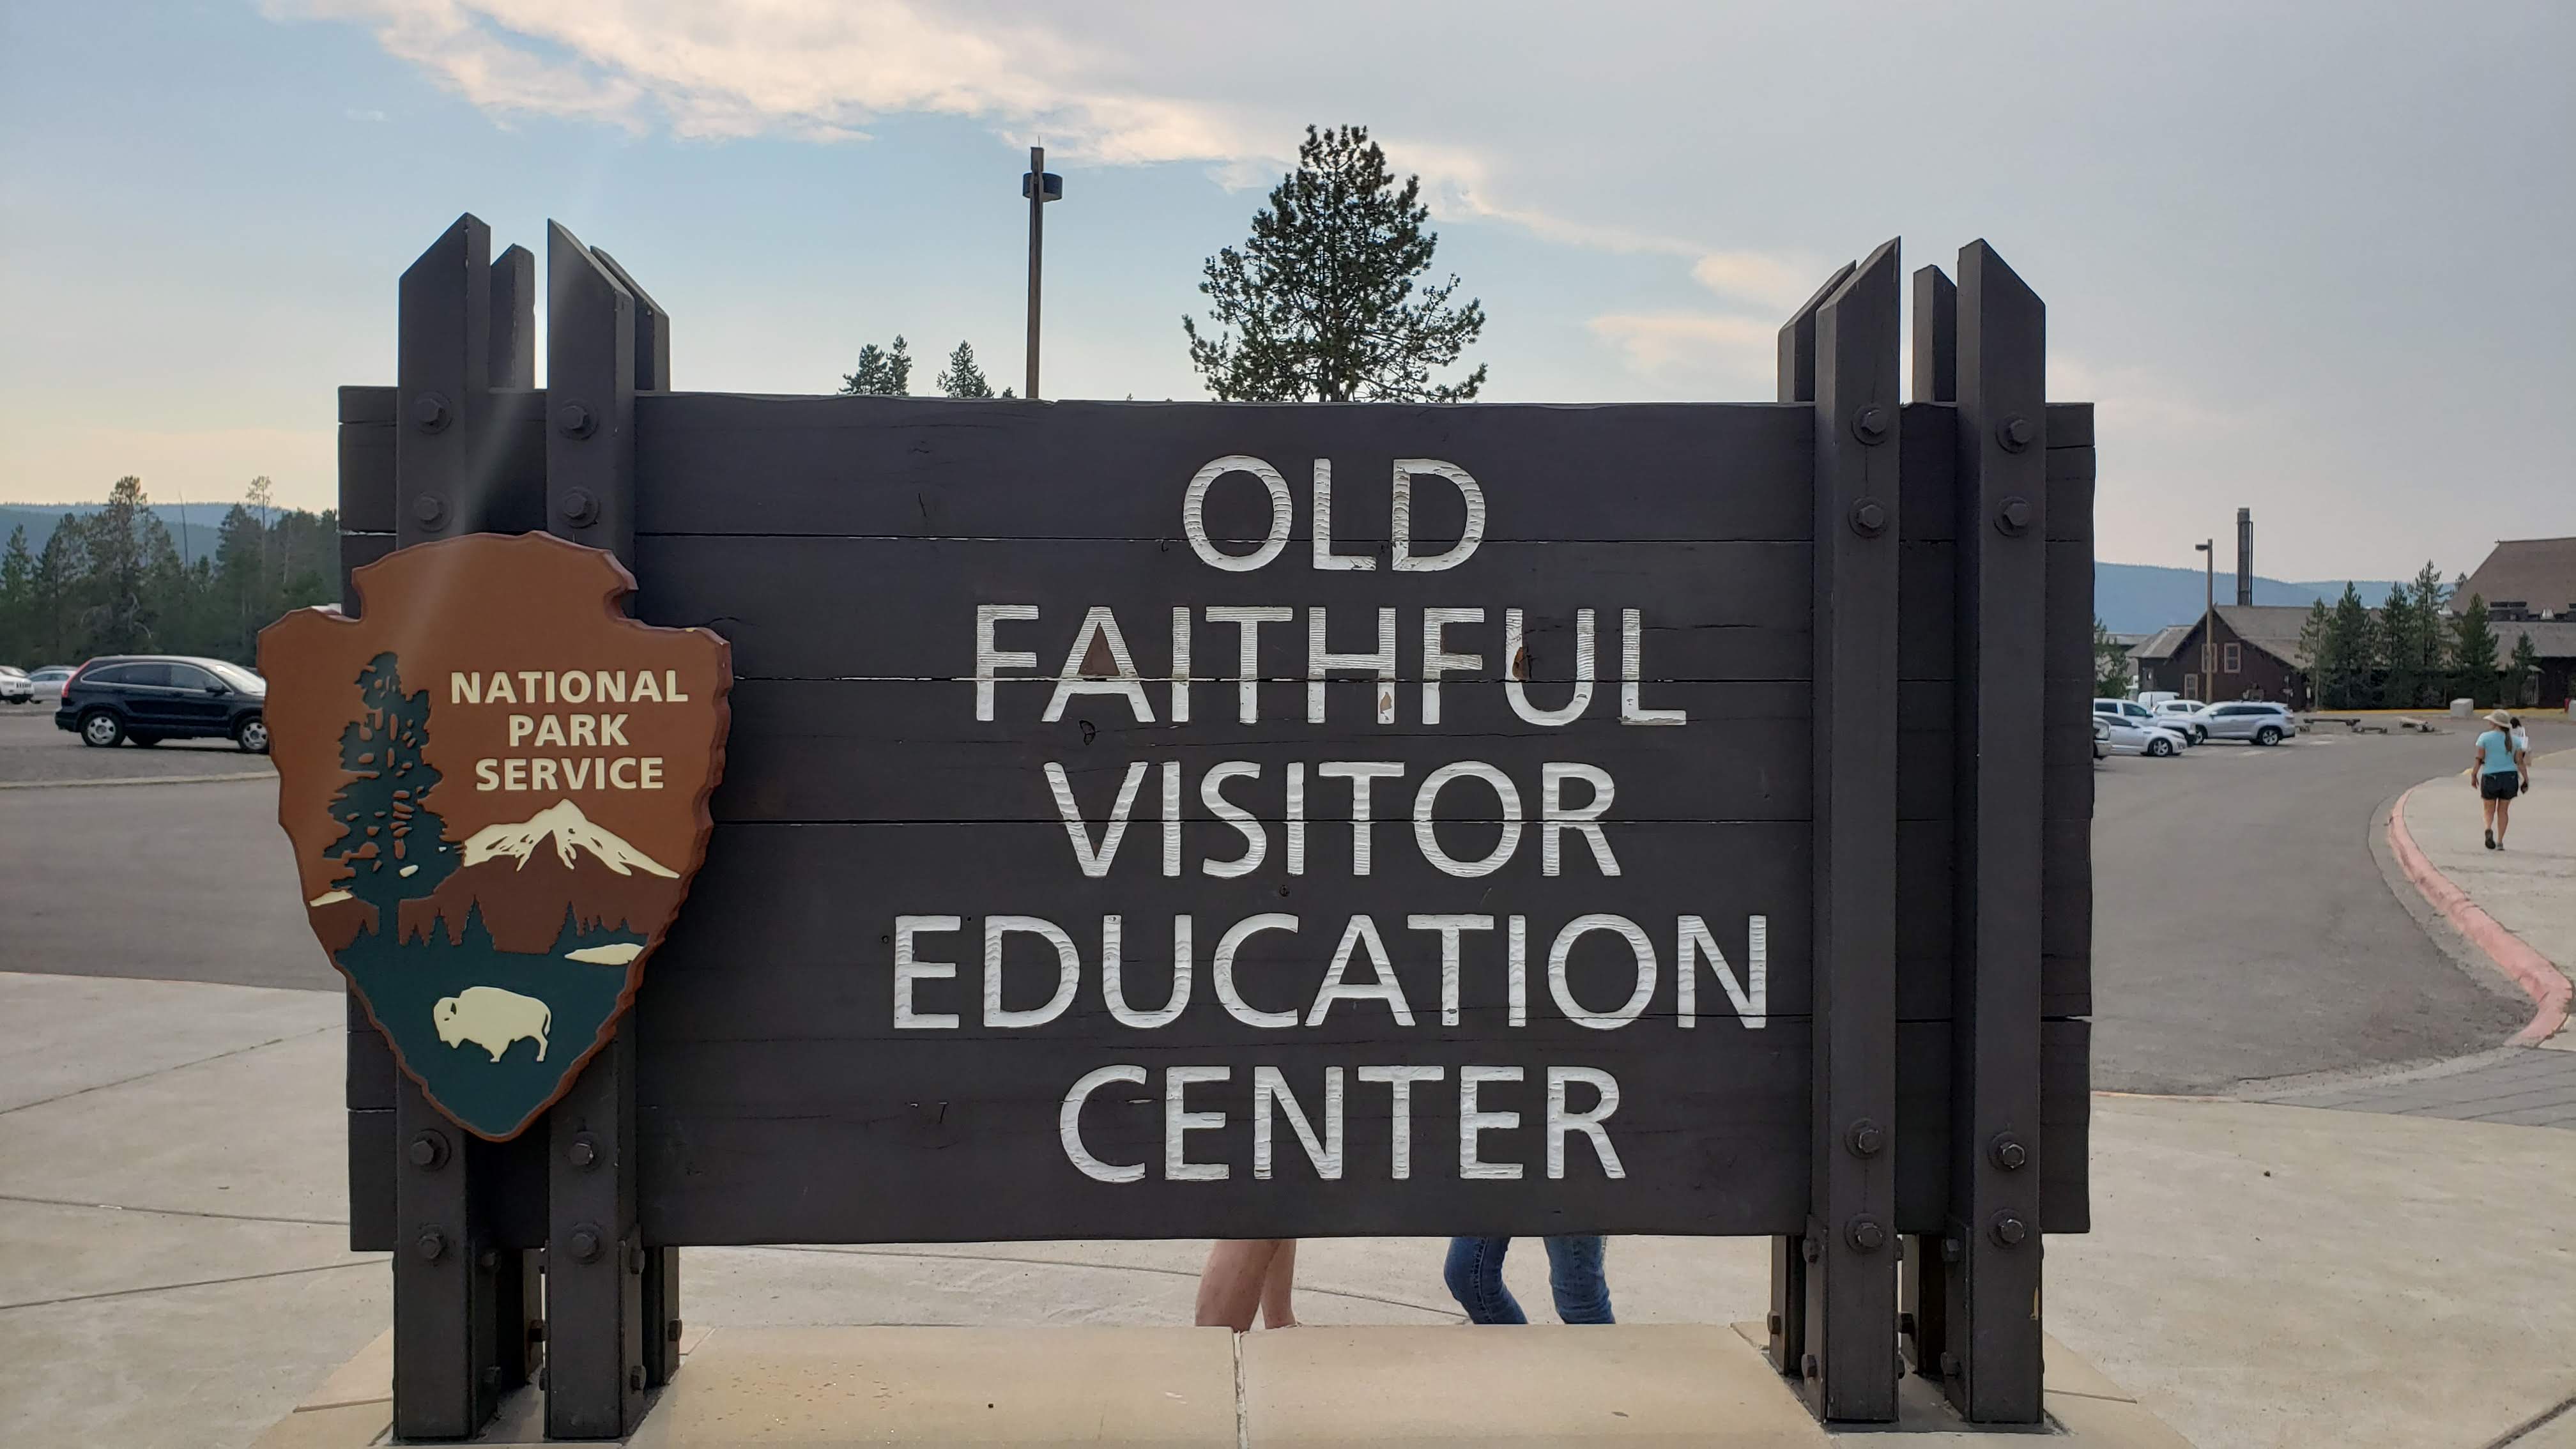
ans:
(497, 788)
(1188, 820)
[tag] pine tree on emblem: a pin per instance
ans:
(393, 844)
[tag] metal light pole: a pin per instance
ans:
(2209, 622)
(1040, 187)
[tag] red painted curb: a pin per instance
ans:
(2543, 982)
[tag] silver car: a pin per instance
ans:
(14, 688)
(2138, 716)
(2183, 715)
(2254, 721)
(2126, 736)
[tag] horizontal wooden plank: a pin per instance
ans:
(826, 608)
(720, 463)
(2070, 425)
(367, 405)
(1743, 754)
(366, 499)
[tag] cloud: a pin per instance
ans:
(1710, 343)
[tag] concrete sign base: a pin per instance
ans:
(1425, 1388)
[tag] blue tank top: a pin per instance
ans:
(2497, 747)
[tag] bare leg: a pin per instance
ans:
(1230, 1287)
(2503, 815)
(1276, 1310)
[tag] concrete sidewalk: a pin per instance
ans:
(2258, 1275)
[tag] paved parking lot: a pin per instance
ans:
(32, 750)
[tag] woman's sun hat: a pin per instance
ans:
(2500, 719)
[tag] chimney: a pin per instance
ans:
(2244, 556)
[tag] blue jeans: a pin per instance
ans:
(1574, 1279)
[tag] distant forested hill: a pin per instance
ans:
(2142, 598)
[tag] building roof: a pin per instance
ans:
(2537, 573)
(2163, 643)
(2272, 628)
(2554, 639)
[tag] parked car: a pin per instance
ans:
(2257, 721)
(2132, 737)
(2139, 715)
(46, 684)
(2151, 698)
(2101, 737)
(2184, 715)
(151, 698)
(15, 688)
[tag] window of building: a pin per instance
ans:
(2231, 657)
(2191, 686)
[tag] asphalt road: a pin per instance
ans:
(2242, 927)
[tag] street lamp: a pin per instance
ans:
(2208, 548)
(1040, 186)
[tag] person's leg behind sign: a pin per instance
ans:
(1475, 1276)
(1575, 1277)
(1244, 1276)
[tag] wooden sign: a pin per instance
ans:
(497, 786)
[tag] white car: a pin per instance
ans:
(14, 688)
(2184, 715)
(2255, 721)
(45, 686)
(2131, 737)
(2134, 713)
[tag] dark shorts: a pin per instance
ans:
(2502, 785)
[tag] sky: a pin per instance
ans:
(2308, 258)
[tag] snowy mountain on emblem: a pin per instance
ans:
(572, 833)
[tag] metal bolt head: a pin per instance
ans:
(536, 1333)
(1952, 1250)
(541, 1378)
(1813, 1251)
(1771, 1323)
(1869, 518)
(671, 1330)
(635, 1260)
(1809, 1367)
(428, 1150)
(2016, 433)
(431, 1245)
(579, 508)
(1949, 1364)
(2014, 518)
(1870, 425)
(1905, 1323)
(635, 1378)
(429, 509)
(574, 420)
(487, 1260)
(1866, 1235)
(2010, 1230)
(583, 1153)
(429, 412)
(1866, 1138)
(2008, 1152)
(585, 1245)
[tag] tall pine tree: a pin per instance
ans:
(882, 371)
(1325, 302)
(2473, 654)
(2520, 672)
(963, 378)
(18, 598)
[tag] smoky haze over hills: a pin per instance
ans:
(2142, 598)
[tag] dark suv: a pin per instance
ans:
(149, 698)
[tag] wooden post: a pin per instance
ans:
(595, 1258)
(1921, 1317)
(1851, 1261)
(1993, 1243)
(448, 1362)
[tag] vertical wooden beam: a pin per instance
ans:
(1797, 378)
(1851, 1276)
(1934, 378)
(652, 329)
(442, 388)
(1790, 1256)
(595, 1257)
(514, 319)
(1993, 1287)
(447, 1359)
(1936, 337)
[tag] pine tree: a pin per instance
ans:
(2473, 652)
(963, 378)
(394, 846)
(2110, 663)
(882, 372)
(2314, 633)
(1320, 304)
(118, 615)
(2432, 660)
(18, 599)
(2347, 681)
(2520, 672)
(60, 567)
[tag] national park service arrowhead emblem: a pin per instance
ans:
(496, 784)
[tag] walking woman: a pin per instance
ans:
(2500, 771)
(1245, 1274)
